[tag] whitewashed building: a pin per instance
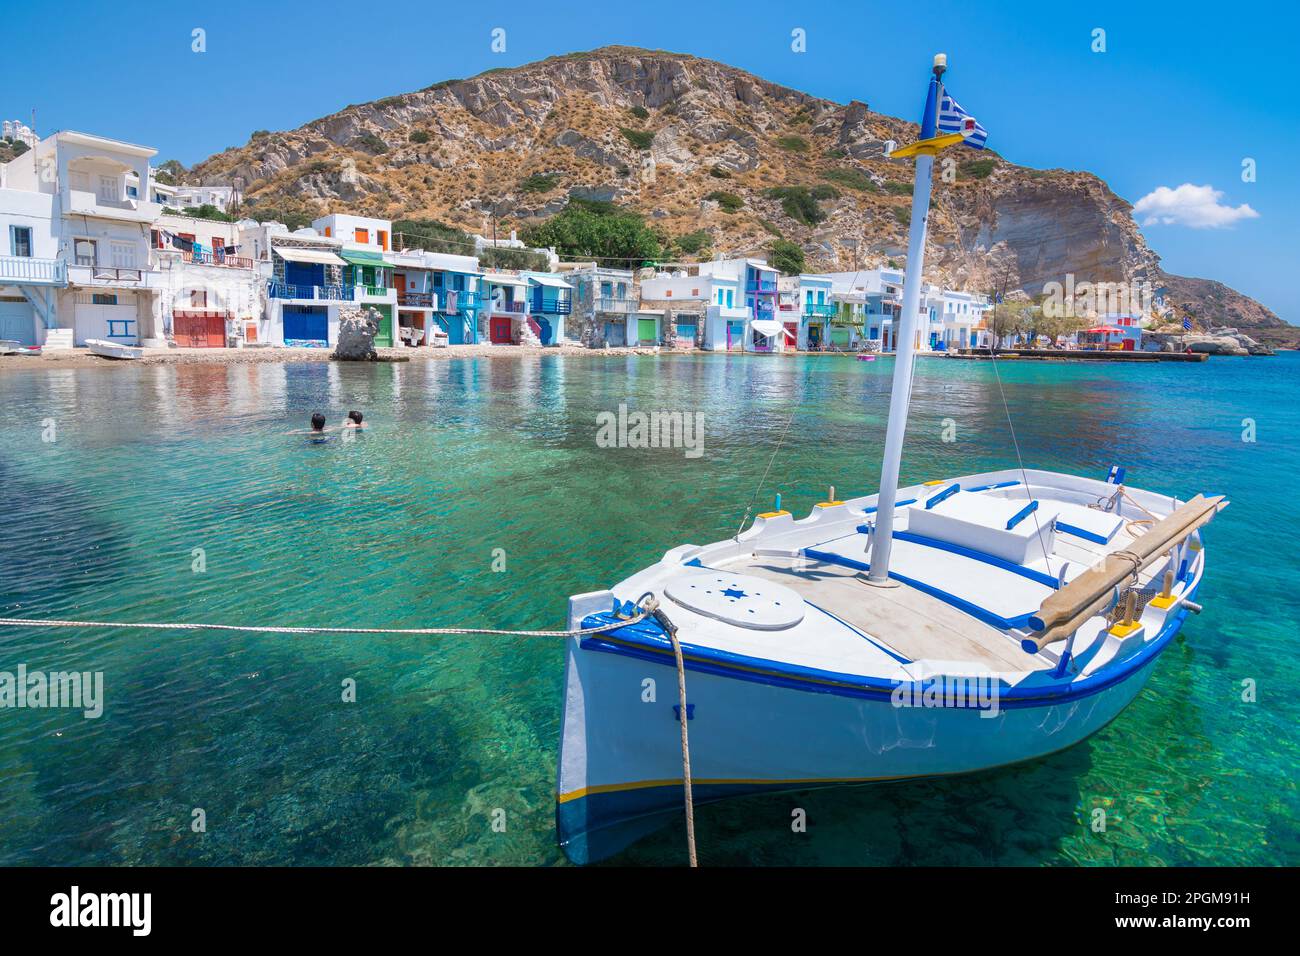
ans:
(304, 276)
(210, 295)
(738, 297)
(367, 273)
(107, 284)
(222, 197)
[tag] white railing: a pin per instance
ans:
(28, 269)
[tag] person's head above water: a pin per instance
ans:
(318, 422)
(355, 417)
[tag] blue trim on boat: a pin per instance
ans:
(1080, 533)
(974, 610)
(897, 504)
(942, 496)
(694, 563)
(646, 641)
(1000, 484)
(1022, 514)
(1037, 577)
(863, 634)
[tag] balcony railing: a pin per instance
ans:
(818, 310)
(374, 291)
(209, 258)
(466, 302)
(28, 269)
(609, 303)
(417, 300)
(763, 286)
(552, 306)
(113, 273)
(514, 308)
(287, 290)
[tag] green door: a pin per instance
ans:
(840, 337)
(384, 337)
(645, 330)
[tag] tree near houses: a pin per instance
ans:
(610, 234)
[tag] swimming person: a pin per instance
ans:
(317, 430)
(354, 420)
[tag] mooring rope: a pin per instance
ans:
(283, 629)
(645, 608)
(669, 628)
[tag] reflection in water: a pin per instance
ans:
(398, 527)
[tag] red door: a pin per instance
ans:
(792, 335)
(199, 330)
(499, 330)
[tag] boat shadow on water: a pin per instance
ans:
(1012, 816)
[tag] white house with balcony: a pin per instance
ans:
(603, 301)
(102, 235)
(221, 197)
(210, 296)
(807, 311)
(961, 317)
(738, 298)
(303, 271)
(524, 308)
(365, 243)
(437, 296)
(31, 272)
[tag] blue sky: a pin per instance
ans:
(1183, 93)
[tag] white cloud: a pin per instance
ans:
(1188, 205)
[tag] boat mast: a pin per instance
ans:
(882, 539)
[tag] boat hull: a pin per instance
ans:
(620, 770)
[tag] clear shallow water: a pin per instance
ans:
(462, 457)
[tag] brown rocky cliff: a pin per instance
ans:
(462, 150)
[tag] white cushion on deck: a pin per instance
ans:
(979, 522)
(1097, 526)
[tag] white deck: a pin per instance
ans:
(968, 608)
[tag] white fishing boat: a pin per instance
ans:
(114, 350)
(964, 623)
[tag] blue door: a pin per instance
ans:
(306, 324)
(453, 326)
(545, 326)
(17, 322)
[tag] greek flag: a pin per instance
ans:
(1187, 323)
(954, 119)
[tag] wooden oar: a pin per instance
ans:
(1064, 611)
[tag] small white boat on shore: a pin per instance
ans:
(952, 626)
(114, 350)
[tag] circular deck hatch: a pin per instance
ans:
(737, 599)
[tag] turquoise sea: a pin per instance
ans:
(399, 528)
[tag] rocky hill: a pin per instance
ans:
(709, 152)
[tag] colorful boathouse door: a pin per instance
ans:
(199, 329)
(735, 335)
(645, 331)
(384, 337)
(308, 324)
(499, 330)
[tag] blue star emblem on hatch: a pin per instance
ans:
(733, 593)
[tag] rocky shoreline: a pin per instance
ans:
(1214, 342)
